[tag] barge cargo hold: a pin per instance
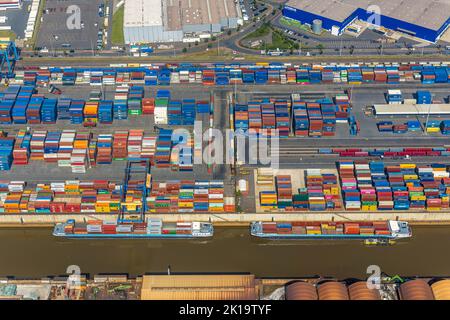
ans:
(152, 229)
(385, 230)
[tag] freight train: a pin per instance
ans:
(151, 229)
(378, 231)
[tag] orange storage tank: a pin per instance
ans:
(441, 289)
(333, 291)
(360, 291)
(301, 291)
(416, 290)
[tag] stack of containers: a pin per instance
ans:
(79, 156)
(134, 145)
(241, 117)
(329, 118)
(445, 127)
(208, 77)
(428, 75)
(248, 76)
(6, 107)
(433, 126)
(202, 107)
(48, 111)
(424, 97)
(201, 196)
(282, 118)
(163, 148)
(148, 106)
(33, 113)
(441, 74)
(174, 113)
(268, 200)
(90, 114)
(164, 77)
(120, 139)
(314, 185)
(254, 116)
(343, 103)
(148, 148)
(19, 111)
(51, 147)
(284, 192)
(151, 78)
(66, 147)
(300, 201)
(21, 150)
(37, 145)
(135, 100)
(63, 109)
(105, 112)
(186, 197)
(393, 75)
(188, 112)
(76, 111)
(349, 185)
(121, 103)
(315, 119)
(261, 76)
(300, 116)
(161, 106)
(104, 149)
(382, 186)
(268, 116)
(216, 196)
(222, 78)
(368, 192)
(6, 153)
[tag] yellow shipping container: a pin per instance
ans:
(418, 198)
(407, 166)
(433, 130)
(315, 232)
(410, 177)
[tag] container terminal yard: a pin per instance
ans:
(103, 166)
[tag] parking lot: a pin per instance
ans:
(17, 19)
(61, 28)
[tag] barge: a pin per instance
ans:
(151, 229)
(375, 231)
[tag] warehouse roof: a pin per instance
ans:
(411, 109)
(143, 13)
(198, 287)
(192, 12)
(430, 14)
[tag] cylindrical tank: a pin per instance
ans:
(317, 26)
(301, 291)
(441, 289)
(333, 291)
(360, 291)
(416, 290)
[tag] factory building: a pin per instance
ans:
(149, 21)
(424, 19)
(10, 4)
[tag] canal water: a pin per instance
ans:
(36, 253)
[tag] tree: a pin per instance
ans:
(229, 32)
(320, 48)
(196, 43)
(214, 38)
(296, 45)
(184, 50)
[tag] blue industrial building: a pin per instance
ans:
(428, 25)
